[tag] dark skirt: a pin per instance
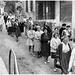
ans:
(10, 29)
(45, 49)
(65, 62)
(17, 32)
(21, 27)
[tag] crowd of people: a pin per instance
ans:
(58, 44)
(12, 25)
(44, 42)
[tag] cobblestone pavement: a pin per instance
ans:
(27, 63)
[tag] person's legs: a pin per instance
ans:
(29, 48)
(40, 54)
(16, 39)
(32, 50)
(46, 59)
(55, 61)
(37, 54)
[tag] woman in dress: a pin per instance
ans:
(64, 52)
(55, 41)
(37, 41)
(45, 45)
(30, 40)
(17, 30)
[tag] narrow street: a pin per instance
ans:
(27, 63)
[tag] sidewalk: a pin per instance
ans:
(3, 69)
(27, 64)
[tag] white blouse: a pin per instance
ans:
(54, 44)
(65, 48)
(31, 34)
(38, 34)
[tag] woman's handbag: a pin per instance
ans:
(58, 65)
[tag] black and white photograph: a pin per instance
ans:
(37, 37)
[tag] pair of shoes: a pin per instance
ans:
(45, 62)
(55, 69)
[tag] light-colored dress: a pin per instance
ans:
(72, 60)
(30, 39)
(54, 44)
(37, 42)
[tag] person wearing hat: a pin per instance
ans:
(61, 29)
(67, 31)
(64, 53)
(55, 41)
(37, 41)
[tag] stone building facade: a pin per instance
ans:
(48, 10)
(58, 11)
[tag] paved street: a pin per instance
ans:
(27, 63)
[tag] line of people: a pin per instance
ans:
(43, 42)
(58, 44)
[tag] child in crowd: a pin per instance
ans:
(30, 40)
(37, 41)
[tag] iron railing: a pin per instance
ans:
(11, 52)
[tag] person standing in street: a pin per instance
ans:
(37, 41)
(64, 53)
(45, 45)
(17, 29)
(55, 41)
(30, 39)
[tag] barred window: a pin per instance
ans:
(66, 11)
(26, 6)
(31, 5)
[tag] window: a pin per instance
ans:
(26, 6)
(66, 11)
(31, 5)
